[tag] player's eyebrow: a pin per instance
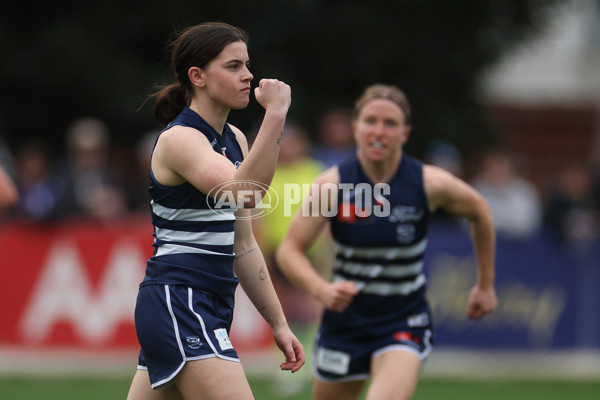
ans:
(236, 61)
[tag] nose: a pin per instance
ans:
(378, 128)
(247, 75)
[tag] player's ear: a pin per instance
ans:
(406, 133)
(197, 76)
(354, 129)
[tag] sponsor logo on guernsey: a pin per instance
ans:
(223, 338)
(333, 361)
(406, 214)
(418, 320)
(193, 342)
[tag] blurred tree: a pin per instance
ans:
(61, 60)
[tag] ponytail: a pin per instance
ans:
(170, 101)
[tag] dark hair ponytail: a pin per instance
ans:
(170, 101)
(196, 46)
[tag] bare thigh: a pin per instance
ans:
(141, 390)
(349, 390)
(213, 379)
(394, 375)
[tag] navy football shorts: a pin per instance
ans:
(339, 358)
(175, 324)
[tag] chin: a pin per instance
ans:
(240, 105)
(377, 155)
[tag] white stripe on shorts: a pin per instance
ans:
(176, 331)
(190, 302)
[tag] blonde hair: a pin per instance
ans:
(385, 92)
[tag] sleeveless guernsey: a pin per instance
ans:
(382, 254)
(193, 245)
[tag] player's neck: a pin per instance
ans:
(214, 115)
(380, 171)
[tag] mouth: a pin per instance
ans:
(377, 145)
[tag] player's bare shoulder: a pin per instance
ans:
(435, 177)
(179, 137)
(438, 184)
(180, 152)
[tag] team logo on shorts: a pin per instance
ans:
(193, 342)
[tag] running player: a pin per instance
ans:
(377, 323)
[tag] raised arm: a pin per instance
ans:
(182, 154)
(296, 266)
(453, 195)
(261, 161)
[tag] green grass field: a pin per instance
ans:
(429, 388)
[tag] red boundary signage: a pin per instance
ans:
(73, 285)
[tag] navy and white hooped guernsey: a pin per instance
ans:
(193, 245)
(383, 255)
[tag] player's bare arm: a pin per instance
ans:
(455, 196)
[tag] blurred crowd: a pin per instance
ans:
(94, 180)
(91, 179)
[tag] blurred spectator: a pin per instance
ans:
(444, 154)
(294, 166)
(515, 203)
(335, 140)
(138, 197)
(596, 179)
(571, 214)
(40, 190)
(6, 159)
(8, 192)
(91, 184)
